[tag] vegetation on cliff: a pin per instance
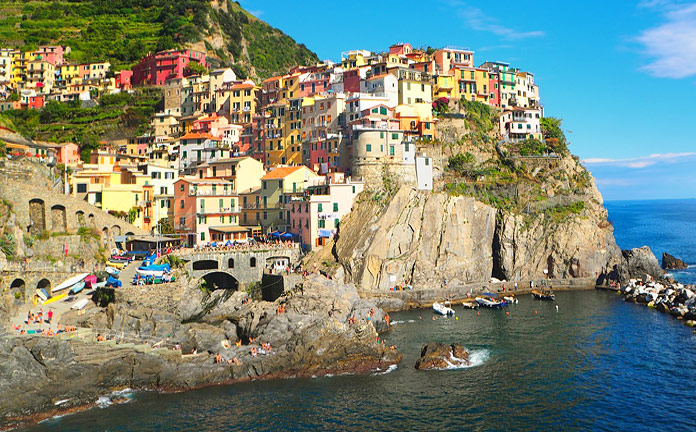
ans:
(116, 116)
(123, 31)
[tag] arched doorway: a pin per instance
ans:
(80, 218)
(59, 222)
(37, 216)
(44, 284)
(220, 280)
(17, 288)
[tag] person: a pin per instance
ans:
(386, 318)
(50, 315)
(515, 286)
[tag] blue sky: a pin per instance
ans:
(621, 74)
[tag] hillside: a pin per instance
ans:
(123, 31)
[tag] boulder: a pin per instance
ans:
(670, 262)
(641, 261)
(435, 355)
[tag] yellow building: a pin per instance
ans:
(283, 134)
(445, 86)
(8, 72)
(354, 59)
(239, 100)
(414, 86)
(278, 187)
(473, 83)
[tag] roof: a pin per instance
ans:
(281, 172)
(194, 135)
(275, 78)
(379, 76)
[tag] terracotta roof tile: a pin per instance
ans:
(280, 172)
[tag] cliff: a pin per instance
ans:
(499, 210)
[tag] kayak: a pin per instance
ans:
(77, 288)
(55, 299)
(70, 282)
(80, 305)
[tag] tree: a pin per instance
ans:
(463, 164)
(553, 134)
(195, 68)
(3, 149)
(165, 226)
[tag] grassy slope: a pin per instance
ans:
(124, 30)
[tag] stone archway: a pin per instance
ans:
(116, 230)
(37, 216)
(90, 220)
(220, 280)
(129, 234)
(18, 286)
(44, 284)
(59, 222)
(80, 218)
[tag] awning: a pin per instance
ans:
(325, 233)
(229, 229)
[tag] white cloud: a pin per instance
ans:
(641, 162)
(480, 21)
(672, 44)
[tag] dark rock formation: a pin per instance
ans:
(670, 262)
(442, 356)
(640, 261)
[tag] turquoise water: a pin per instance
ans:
(664, 225)
(595, 364)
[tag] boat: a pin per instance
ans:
(80, 304)
(70, 282)
(55, 298)
(470, 304)
(543, 295)
(43, 295)
(488, 300)
(153, 270)
(510, 298)
(112, 271)
(443, 308)
(77, 288)
(117, 265)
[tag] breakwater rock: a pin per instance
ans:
(673, 298)
(320, 327)
(670, 262)
(442, 356)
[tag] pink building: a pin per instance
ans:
(211, 124)
(68, 153)
(124, 79)
(494, 89)
(315, 82)
(155, 69)
(51, 54)
(351, 80)
(401, 49)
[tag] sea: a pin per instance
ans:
(587, 361)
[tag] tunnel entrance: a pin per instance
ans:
(220, 280)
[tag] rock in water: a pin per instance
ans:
(442, 356)
(639, 261)
(670, 262)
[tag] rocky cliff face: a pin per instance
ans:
(424, 238)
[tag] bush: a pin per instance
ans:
(8, 246)
(461, 163)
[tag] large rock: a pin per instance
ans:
(442, 356)
(670, 262)
(641, 261)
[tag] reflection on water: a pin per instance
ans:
(597, 363)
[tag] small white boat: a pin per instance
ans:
(80, 304)
(71, 282)
(443, 309)
(112, 271)
(490, 302)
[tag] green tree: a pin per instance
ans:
(195, 68)
(553, 134)
(463, 164)
(165, 226)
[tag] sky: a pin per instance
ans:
(621, 74)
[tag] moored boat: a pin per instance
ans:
(470, 304)
(70, 282)
(543, 295)
(77, 288)
(488, 300)
(443, 308)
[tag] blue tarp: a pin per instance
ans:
(213, 244)
(228, 243)
(325, 233)
(113, 282)
(157, 267)
(489, 294)
(286, 236)
(275, 234)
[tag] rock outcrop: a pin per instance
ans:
(317, 328)
(641, 261)
(423, 238)
(670, 262)
(442, 356)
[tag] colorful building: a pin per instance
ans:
(278, 186)
(155, 69)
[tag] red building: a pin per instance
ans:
(155, 69)
(123, 79)
(494, 89)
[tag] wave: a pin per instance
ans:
(476, 358)
(390, 369)
(397, 322)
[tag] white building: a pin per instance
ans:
(424, 172)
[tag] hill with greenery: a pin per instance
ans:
(116, 116)
(123, 31)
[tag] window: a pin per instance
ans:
(182, 221)
(335, 207)
(335, 223)
(320, 208)
(202, 235)
(252, 262)
(391, 150)
(427, 161)
(182, 204)
(322, 223)
(81, 187)
(395, 136)
(368, 147)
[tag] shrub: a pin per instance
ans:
(8, 246)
